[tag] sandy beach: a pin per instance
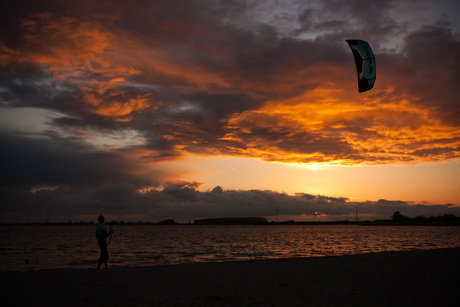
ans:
(415, 278)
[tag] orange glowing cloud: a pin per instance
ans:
(65, 43)
(102, 65)
(82, 54)
(324, 126)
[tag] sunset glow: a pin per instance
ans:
(185, 106)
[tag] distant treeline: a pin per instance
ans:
(397, 217)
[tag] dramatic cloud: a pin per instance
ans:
(135, 83)
(190, 81)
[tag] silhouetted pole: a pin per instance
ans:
(357, 217)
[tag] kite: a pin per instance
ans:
(365, 63)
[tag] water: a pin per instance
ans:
(32, 247)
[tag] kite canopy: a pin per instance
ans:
(365, 63)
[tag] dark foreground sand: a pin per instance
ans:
(415, 278)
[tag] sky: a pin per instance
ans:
(152, 110)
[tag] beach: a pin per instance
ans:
(411, 278)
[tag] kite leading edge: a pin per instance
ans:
(365, 63)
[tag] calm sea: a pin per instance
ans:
(32, 247)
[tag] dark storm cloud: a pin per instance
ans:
(183, 202)
(352, 19)
(431, 55)
(182, 30)
(49, 160)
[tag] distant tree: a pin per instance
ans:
(420, 219)
(447, 218)
(398, 217)
(167, 222)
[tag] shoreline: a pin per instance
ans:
(408, 278)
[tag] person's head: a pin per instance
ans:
(101, 219)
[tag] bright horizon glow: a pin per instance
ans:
(425, 182)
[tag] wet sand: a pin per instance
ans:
(415, 278)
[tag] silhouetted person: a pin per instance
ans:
(101, 235)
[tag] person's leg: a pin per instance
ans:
(104, 255)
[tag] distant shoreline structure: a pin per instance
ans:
(233, 221)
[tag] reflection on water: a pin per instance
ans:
(26, 247)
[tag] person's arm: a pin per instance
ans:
(106, 234)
